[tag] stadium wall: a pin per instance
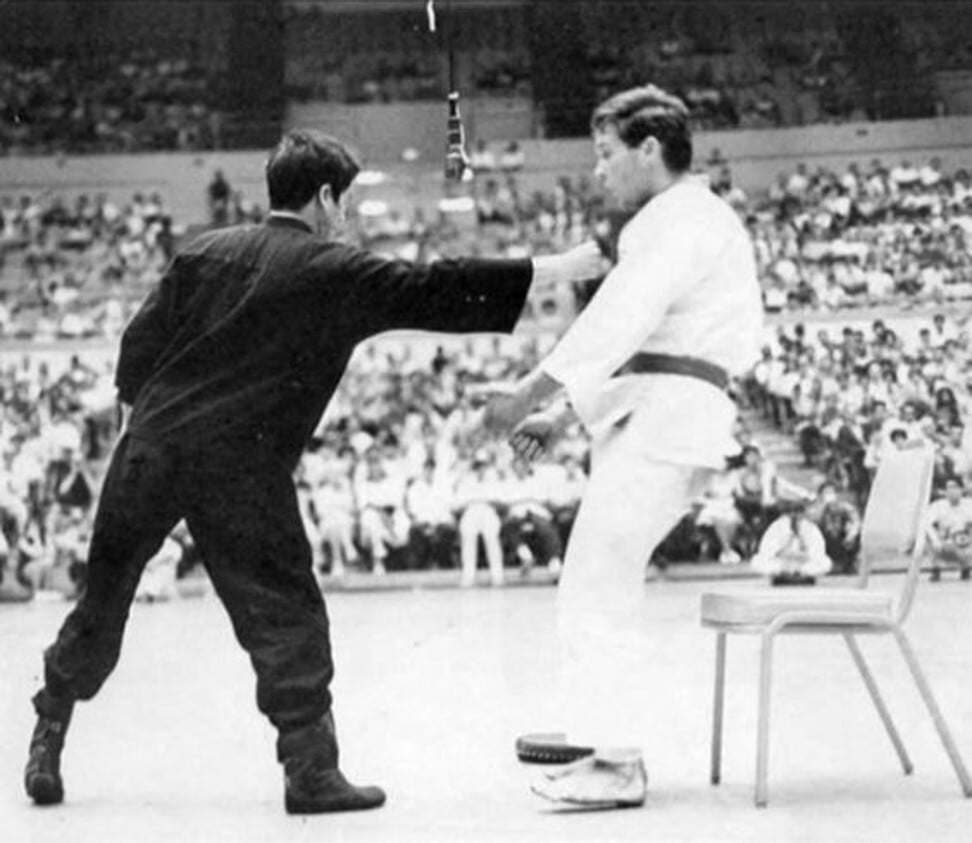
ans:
(757, 157)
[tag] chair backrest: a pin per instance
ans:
(893, 529)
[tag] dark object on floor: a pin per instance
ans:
(793, 579)
(549, 748)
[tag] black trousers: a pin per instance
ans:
(241, 509)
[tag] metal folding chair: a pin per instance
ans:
(892, 537)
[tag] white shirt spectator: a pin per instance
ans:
(783, 550)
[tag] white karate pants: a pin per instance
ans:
(630, 504)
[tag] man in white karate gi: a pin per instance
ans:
(645, 366)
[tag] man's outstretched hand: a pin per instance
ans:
(508, 406)
(504, 410)
(533, 435)
(582, 263)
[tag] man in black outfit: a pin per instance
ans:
(223, 376)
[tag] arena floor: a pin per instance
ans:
(432, 688)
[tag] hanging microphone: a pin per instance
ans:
(457, 162)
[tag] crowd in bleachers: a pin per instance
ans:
(849, 398)
(870, 235)
(397, 476)
(133, 100)
(72, 269)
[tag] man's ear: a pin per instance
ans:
(649, 147)
(325, 195)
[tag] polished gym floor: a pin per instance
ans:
(432, 687)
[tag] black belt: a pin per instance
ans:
(646, 363)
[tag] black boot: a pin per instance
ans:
(313, 783)
(42, 776)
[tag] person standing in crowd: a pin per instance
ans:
(646, 366)
(949, 530)
(223, 375)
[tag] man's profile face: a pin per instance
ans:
(622, 171)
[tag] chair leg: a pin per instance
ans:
(762, 736)
(882, 709)
(936, 714)
(718, 703)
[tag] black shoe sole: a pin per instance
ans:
(308, 806)
(45, 790)
(549, 748)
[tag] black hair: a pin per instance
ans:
(649, 111)
(302, 163)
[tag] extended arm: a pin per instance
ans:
(455, 296)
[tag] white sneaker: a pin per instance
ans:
(595, 784)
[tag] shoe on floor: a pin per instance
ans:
(42, 776)
(312, 786)
(593, 783)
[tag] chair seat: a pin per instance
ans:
(762, 606)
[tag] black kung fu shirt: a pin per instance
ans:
(249, 331)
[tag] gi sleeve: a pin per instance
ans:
(629, 306)
(146, 337)
(452, 296)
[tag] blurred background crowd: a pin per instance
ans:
(865, 268)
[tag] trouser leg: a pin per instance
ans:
(136, 511)
(494, 548)
(247, 524)
(610, 682)
(547, 541)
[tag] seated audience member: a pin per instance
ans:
(158, 582)
(14, 586)
(840, 525)
(478, 496)
(381, 506)
(949, 530)
(720, 513)
(335, 509)
(528, 524)
(564, 482)
(792, 550)
(432, 533)
(952, 458)
(755, 492)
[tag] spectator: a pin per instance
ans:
(528, 523)
(792, 550)
(478, 496)
(949, 530)
(380, 494)
(432, 533)
(840, 525)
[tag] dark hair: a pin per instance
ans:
(649, 111)
(302, 163)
